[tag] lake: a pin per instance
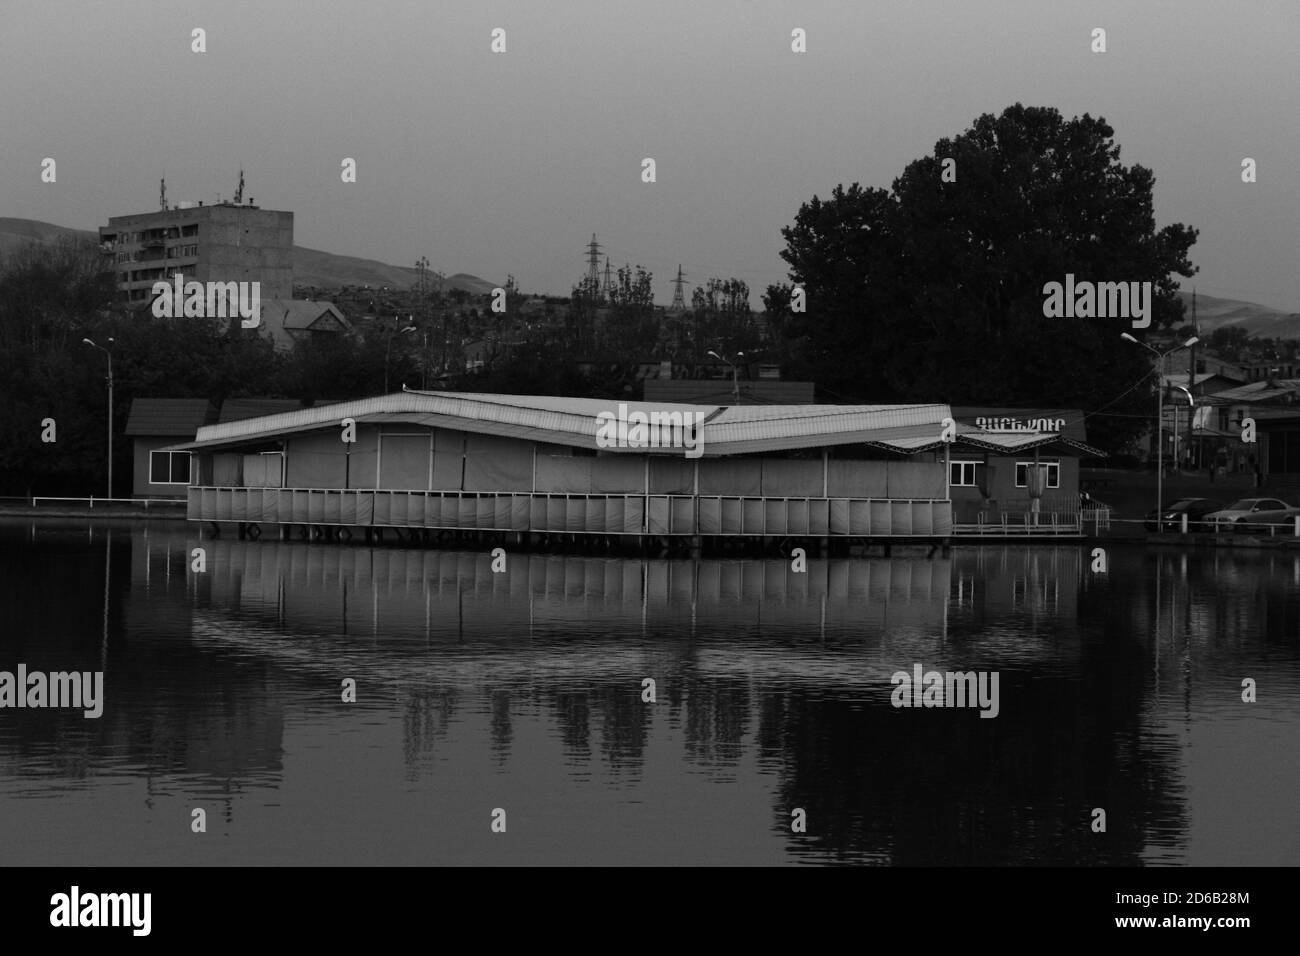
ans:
(520, 700)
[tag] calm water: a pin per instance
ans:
(523, 691)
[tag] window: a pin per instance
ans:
(961, 474)
(1053, 473)
(169, 468)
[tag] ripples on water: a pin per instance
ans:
(523, 691)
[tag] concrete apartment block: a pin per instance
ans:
(218, 243)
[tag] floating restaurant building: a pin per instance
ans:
(529, 464)
(423, 462)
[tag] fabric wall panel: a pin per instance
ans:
(363, 457)
(618, 474)
(913, 479)
(447, 450)
(731, 476)
(792, 478)
(498, 464)
(316, 460)
(857, 479)
(227, 470)
(564, 474)
(672, 475)
(404, 462)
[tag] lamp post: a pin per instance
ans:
(1160, 414)
(110, 410)
(735, 373)
(388, 350)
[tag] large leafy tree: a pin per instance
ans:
(933, 290)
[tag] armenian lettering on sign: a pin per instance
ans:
(1018, 425)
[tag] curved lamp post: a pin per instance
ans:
(1160, 413)
(735, 373)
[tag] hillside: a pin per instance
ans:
(311, 267)
(1258, 320)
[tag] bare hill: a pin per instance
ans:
(311, 267)
(1258, 320)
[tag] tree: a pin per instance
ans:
(721, 318)
(1229, 342)
(934, 290)
(632, 328)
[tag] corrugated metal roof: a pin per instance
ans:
(237, 409)
(721, 391)
(573, 421)
(165, 417)
(1263, 391)
(991, 441)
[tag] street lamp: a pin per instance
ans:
(1160, 415)
(110, 409)
(735, 373)
(388, 349)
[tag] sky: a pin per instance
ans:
(506, 163)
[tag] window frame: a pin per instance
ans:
(189, 470)
(962, 463)
(1053, 469)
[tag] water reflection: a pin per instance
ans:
(1118, 690)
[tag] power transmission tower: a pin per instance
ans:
(593, 262)
(608, 286)
(679, 300)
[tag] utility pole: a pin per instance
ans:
(1191, 378)
(110, 411)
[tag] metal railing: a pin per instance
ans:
(611, 513)
(91, 500)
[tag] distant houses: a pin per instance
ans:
(289, 322)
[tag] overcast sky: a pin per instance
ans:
(507, 163)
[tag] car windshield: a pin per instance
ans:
(1245, 504)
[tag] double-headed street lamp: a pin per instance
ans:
(1160, 415)
(110, 410)
(735, 373)
(388, 348)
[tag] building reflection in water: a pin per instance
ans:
(764, 675)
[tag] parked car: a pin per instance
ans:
(1268, 522)
(1194, 508)
(1221, 520)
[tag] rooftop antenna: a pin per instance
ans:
(162, 194)
(239, 193)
